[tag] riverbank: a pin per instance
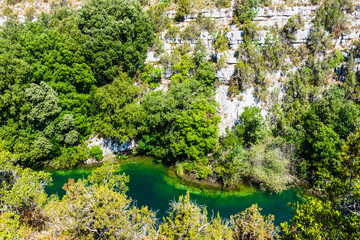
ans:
(151, 185)
(183, 181)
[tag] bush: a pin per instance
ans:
(269, 168)
(221, 43)
(191, 32)
(158, 16)
(251, 128)
(245, 10)
(222, 3)
(172, 32)
(206, 23)
(96, 152)
(184, 7)
(291, 27)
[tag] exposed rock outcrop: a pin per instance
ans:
(111, 146)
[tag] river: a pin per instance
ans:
(150, 185)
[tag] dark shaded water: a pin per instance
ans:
(149, 185)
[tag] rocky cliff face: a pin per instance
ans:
(267, 17)
(110, 146)
(275, 15)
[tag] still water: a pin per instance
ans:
(150, 185)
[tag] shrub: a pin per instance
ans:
(184, 7)
(291, 27)
(96, 152)
(172, 32)
(191, 32)
(206, 23)
(245, 10)
(221, 43)
(222, 3)
(158, 16)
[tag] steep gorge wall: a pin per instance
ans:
(230, 108)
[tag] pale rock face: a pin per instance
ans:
(111, 146)
(225, 74)
(231, 108)
(91, 161)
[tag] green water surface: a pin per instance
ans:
(150, 185)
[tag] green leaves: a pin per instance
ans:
(181, 123)
(45, 103)
(252, 128)
(187, 220)
(119, 35)
(250, 224)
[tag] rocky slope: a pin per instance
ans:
(267, 17)
(277, 14)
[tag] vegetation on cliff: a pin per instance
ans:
(73, 73)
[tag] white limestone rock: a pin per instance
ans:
(231, 108)
(91, 161)
(111, 146)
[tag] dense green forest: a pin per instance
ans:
(74, 73)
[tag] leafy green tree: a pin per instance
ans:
(22, 192)
(119, 34)
(251, 128)
(44, 103)
(195, 132)
(157, 15)
(183, 9)
(250, 224)
(317, 219)
(187, 220)
(96, 152)
(176, 126)
(118, 113)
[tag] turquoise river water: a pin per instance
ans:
(150, 185)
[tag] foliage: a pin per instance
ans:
(351, 81)
(250, 69)
(118, 113)
(331, 16)
(91, 208)
(195, 131)
(222, 3)
(206, 23)
(251, 128)
(183, 9)
(159, 18)
(119, 34)
(221, 43)
(317, 219)
(250, 224)
(269, 166)
(96, 152)
(187, 220)
(291, 27)
(179, 124)
(191, 32)
(319, 40)
(21, 193)
(245, 10)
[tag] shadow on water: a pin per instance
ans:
(150, 185)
